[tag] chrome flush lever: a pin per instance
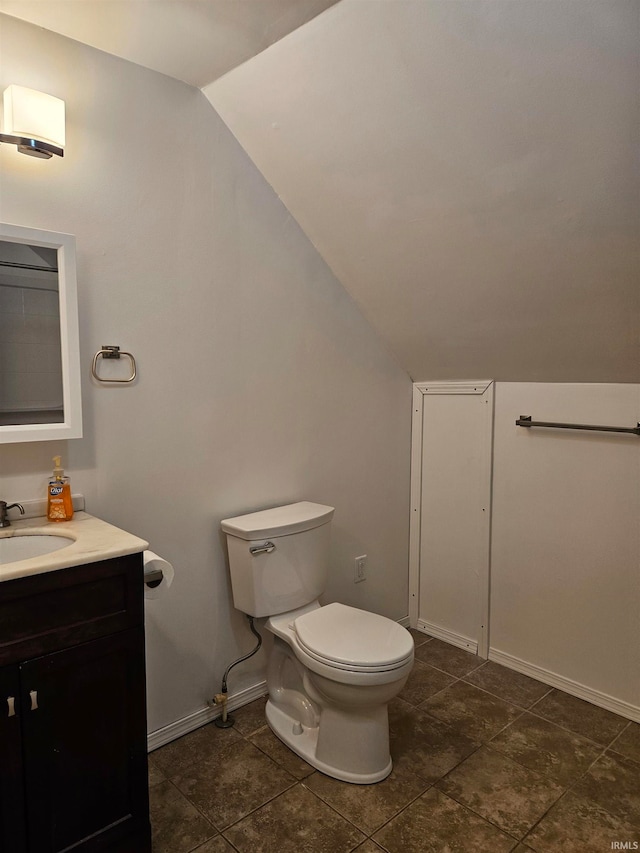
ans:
(267, 548)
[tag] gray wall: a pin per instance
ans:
(259, 380)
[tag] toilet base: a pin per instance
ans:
(305, 745)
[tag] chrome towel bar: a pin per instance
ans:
(526, 421)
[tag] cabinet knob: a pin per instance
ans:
(34, 699)
(11, 702)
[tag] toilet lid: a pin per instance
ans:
(353, 638)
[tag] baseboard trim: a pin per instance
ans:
(451, 637)
(205, 715)
(596, 697)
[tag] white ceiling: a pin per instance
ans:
(192, 40)
(467, 168)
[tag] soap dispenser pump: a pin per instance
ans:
(59, 502)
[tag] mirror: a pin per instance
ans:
(39, 351)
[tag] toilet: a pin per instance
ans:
(333, 669)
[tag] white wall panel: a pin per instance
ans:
(565, 576)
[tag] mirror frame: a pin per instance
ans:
(71, 426)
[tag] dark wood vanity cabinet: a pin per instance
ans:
(73, 757)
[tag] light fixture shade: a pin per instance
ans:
(34, 115)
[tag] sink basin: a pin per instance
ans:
(24, 547)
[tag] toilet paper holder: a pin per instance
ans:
(153, 578)
(112, 352)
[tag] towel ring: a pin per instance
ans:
(112, 352)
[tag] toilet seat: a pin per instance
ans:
(353, 640)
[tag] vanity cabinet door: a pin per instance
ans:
(12, 822)
(84, 734)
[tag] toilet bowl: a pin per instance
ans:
(328, 698)
(332, 669)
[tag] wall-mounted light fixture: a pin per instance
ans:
(33, 121)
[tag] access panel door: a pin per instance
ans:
(451, 509)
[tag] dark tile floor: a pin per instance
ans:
(485, 760)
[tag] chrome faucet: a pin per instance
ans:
(4, 508)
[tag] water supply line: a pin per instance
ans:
(225, 720)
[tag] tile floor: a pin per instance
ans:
(485, 760)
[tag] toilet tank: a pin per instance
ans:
(269, 580)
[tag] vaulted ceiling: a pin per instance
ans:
(192, 40)
(468, 171)
(466, 167)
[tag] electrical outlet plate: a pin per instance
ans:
(360, 569)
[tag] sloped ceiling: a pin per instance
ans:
(192, 40)
(467, 170)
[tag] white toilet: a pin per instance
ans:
(333, 669)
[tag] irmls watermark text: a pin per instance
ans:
(625, 845)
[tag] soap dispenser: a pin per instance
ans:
(59, 503)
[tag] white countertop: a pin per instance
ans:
(93, 540)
